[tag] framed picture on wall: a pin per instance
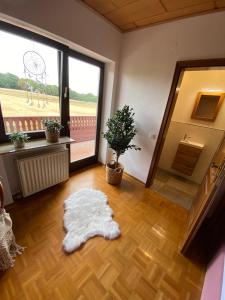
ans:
(207, 106)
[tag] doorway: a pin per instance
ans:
(83, 111)
(187, 141)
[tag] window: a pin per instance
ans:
(43, 79)
(29, 87)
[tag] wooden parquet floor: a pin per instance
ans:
(144, 263)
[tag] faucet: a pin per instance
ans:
(186, 137)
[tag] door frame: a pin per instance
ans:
(215, 196)
(181, 66)
(66, 110)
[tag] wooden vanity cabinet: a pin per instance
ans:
(186, 158)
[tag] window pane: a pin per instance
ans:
(84, 90)
(29, 89)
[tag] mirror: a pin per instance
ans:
(207, 106)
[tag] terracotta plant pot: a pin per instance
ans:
(114, 174)
(19, 144)
(52, 137)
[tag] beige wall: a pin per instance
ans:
(209, 137)
(192, 83)
(207, 133)
(147, 66)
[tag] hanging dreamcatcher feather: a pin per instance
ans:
(35, 70)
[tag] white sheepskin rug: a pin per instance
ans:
(87, 214)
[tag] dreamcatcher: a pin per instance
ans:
(35, 71)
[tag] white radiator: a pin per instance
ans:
(40, 172)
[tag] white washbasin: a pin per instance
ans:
(192, 144)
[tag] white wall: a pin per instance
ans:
(4, 179)
(147, 66)
(70, 20)
(207, 133)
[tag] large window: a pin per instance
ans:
(42, 79)
(29, 89)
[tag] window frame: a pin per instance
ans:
(61, 48)
(94, 158)
(63, 66)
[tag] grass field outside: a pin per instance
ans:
(14, 104)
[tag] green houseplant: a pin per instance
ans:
(121, 130)
(52, 130)
(18, 139)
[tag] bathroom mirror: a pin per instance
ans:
(207, 106)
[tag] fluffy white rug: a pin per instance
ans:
(87, 214)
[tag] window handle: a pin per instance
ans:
(65, 91)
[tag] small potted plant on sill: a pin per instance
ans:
(52, 130)
(121, 131)
(18, 139)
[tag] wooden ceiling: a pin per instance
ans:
(132, 14)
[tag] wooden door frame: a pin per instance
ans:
(216, 196)
(181, 66)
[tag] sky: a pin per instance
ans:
(83, 77)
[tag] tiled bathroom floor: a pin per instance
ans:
(175, 188)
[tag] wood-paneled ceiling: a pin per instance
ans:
(133, 14)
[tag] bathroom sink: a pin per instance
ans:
(192, 144)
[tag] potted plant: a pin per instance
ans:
(52, 130)
(121, 131)
(18, 139)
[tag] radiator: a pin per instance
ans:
(39, 172)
